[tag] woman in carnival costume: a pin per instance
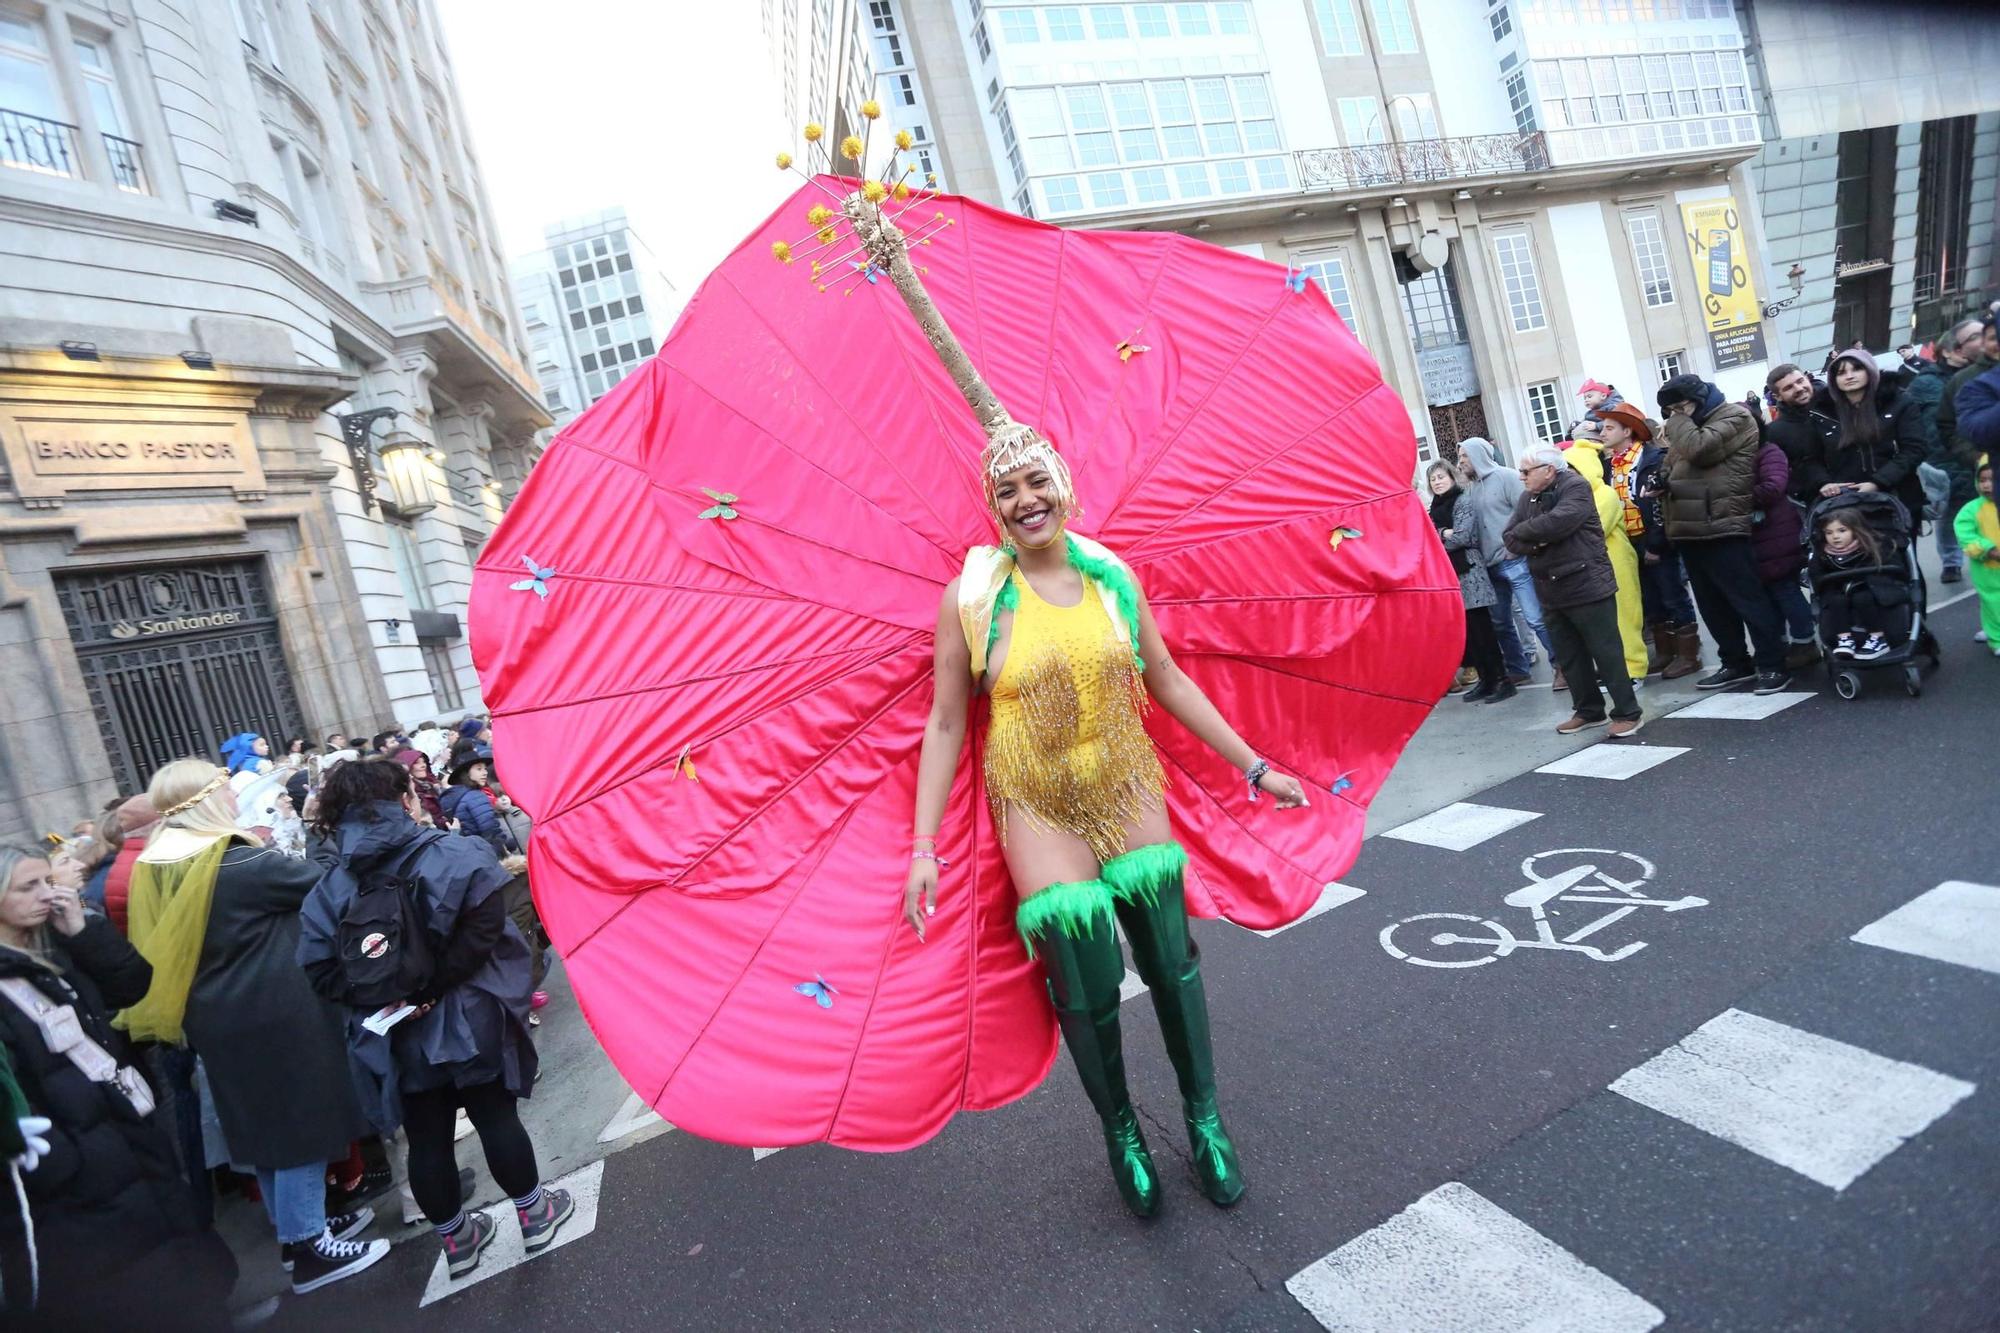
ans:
(732, 945)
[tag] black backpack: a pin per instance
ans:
(385, 952)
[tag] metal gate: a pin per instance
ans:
(177, 660)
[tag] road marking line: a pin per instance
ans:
(505, 1251)
(1612, 760)
(632, 1117)
(1454, 1262)
(1821, 1107)
(1131, 987)
(1460, 825)
(1953, 600)
(759, 1154)
(1956, 922)
(1330, 897)
(1743, 707)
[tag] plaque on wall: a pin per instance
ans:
(59, 448)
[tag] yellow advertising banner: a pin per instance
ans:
(1721, 254)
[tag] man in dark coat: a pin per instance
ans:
(1555, 526)
(1803, 424)
(1971, 355)
(1711, 475)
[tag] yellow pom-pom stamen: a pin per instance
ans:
(903, 140)
(781, 251)
(784, 161)
(826, 235)
(874, 192)
(851, 148)
(813, 132)
(901, 191)
(871, 108)
(818, 215)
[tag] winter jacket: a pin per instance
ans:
(1979, 412)
(1711, 470)
(476, 816)
(1891, 463)
(275, 1052)
(1495, 490)
(115, 1232)
(1804, 433)
(1775, 539)
(476, 1031)
(1925, 389)
(1557, 529)
(1473, 584)
(1956, 454)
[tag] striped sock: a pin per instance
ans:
(449, 1229)
(532, 1199)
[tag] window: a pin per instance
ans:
(1107, 190)
(1232, 18)
(1649, 254)
(1273, 173)
(1544, 413)
(1416, 116)
(1086, 108)
(444, 680)
(1519, 103)
(1327, 269)
(1944, 191)
(1065, 24)
(1061, 195)
(1517, 272)
(1339, 30)
(1360, 121)
(1192, 179)
(1670, 364)
(1108, 21)
(1501, 22)
(1233, 177)
(1395, 31)
(1193, 20)
(1019, 27)
(1151, 20)
(32, 133)
(406, 554)
(1128, 105)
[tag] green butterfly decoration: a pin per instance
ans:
(724, 506)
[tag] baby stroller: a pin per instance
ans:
(1892, 591)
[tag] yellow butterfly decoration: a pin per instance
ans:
(684, 766)
(1129, 349)
(1340, 535)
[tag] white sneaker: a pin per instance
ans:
(461, 1126)
(1979, 636)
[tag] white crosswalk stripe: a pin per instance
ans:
(506, 1250)
(1460, 825)
(1956, 922)
(1454, 1262)
(1614, 762)
(1330, 897)
(632, 1117)
(1743, 707)
(1821, 1107)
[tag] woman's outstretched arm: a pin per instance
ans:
(1185, 703)
(944, 741)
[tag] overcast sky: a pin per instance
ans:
(666, 108)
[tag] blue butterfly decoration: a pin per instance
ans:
(538, 580)
(1341, 784)
(1295, 278)
(817, 991)
(868, 271)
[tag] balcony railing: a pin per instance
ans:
(35, 143)
(1421, 160)
(127, 171)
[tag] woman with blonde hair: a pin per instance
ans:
(216, 912)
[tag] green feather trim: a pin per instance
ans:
(1074, 909)
(1115, 576)
(1008, 598)
(1140, 874)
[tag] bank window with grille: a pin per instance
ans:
(1517, 271)
(1545, 412)
(1649, 253)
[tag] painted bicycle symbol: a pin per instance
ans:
(1589, 877)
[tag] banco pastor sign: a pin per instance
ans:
(58, 448)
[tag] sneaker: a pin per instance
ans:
(1505, 691)
(538, 999)
(1725, 678)
(1875, 647)
(346, 1226)
(1477, 694)
(1801, 655)
(1559, 683)
(322, 1262)
(461, 1125)
(1844, 646)
(1979, 636)
(538, 1225)
(1621, 727)
(1954, 575)
(373, 1182)
(1578, 722)
(462, 1247)
(1770, 682)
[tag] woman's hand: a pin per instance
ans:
(515, 864)
(65, 909)
(1867, 488)
(1286, 789)
(920, 893)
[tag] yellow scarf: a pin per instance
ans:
(1620, 467)
(167, 920)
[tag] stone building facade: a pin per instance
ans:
(230, 232)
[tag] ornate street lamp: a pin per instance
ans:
(354, 429)
(407, 462)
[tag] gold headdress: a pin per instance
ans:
(214, 783)
(863, 231)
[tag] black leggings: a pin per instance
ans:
(1482, 646)
(428, 1118)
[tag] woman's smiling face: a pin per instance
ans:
(1030, 505)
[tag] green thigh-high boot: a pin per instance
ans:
(1069, 927)
(1148, 886)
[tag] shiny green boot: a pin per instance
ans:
(1147, 885)
(1069, 927)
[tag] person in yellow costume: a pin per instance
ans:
(1978, 529)
(1586, 459)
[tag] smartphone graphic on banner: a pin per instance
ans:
(1720, 282)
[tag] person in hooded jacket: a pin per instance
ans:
(1711, 473)
(467, 1043)
(427, 789)
(1880, 443)
(1495, 489)
(115, 1242)
(1457, 524)
(216, 913)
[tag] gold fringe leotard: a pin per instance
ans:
(1066, 743)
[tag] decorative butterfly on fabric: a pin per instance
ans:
(1295, 279)
(1130, 348)
(684, 765)
(538, 580)
(818, 991)
(724, 506)
(1340, 535)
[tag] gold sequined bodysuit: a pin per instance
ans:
(1065, 743)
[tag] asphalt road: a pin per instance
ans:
(1358, 1083)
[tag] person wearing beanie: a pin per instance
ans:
(1711, 476)
(1635, 461)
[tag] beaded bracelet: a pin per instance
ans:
(1256, 774)
(921, 855)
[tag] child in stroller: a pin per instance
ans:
(1867, 586)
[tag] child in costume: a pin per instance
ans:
(1586, 458)
(1978, 526)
